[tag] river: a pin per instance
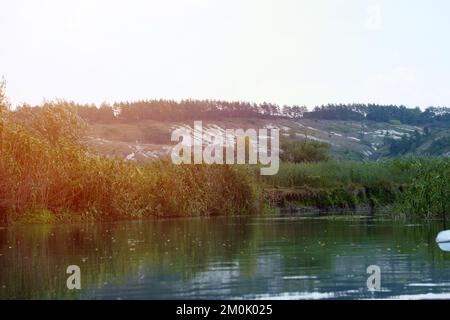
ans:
(263, 257)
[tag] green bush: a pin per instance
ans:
(304, 151)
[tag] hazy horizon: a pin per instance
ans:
(285, 52)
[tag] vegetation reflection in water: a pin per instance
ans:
(234, 257)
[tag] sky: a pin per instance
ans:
(304, 52)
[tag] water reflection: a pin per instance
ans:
(213, 258)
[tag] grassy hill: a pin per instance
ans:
(142, 129)
(349, 140)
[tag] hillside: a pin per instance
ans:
(141, 130)
(349, 140)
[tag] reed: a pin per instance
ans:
(46, 171)
(352, 184)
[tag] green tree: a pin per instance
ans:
(304, 151)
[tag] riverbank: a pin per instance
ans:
(162, 190)
(343, 185)
(47, 175)
(411, 187)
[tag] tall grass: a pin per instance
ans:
(342, 184)
(428, 193)
(46, 172)
(328, 174)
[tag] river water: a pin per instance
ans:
(264, 257)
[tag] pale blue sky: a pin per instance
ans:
(282, 51)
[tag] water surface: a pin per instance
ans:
(262, 257)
